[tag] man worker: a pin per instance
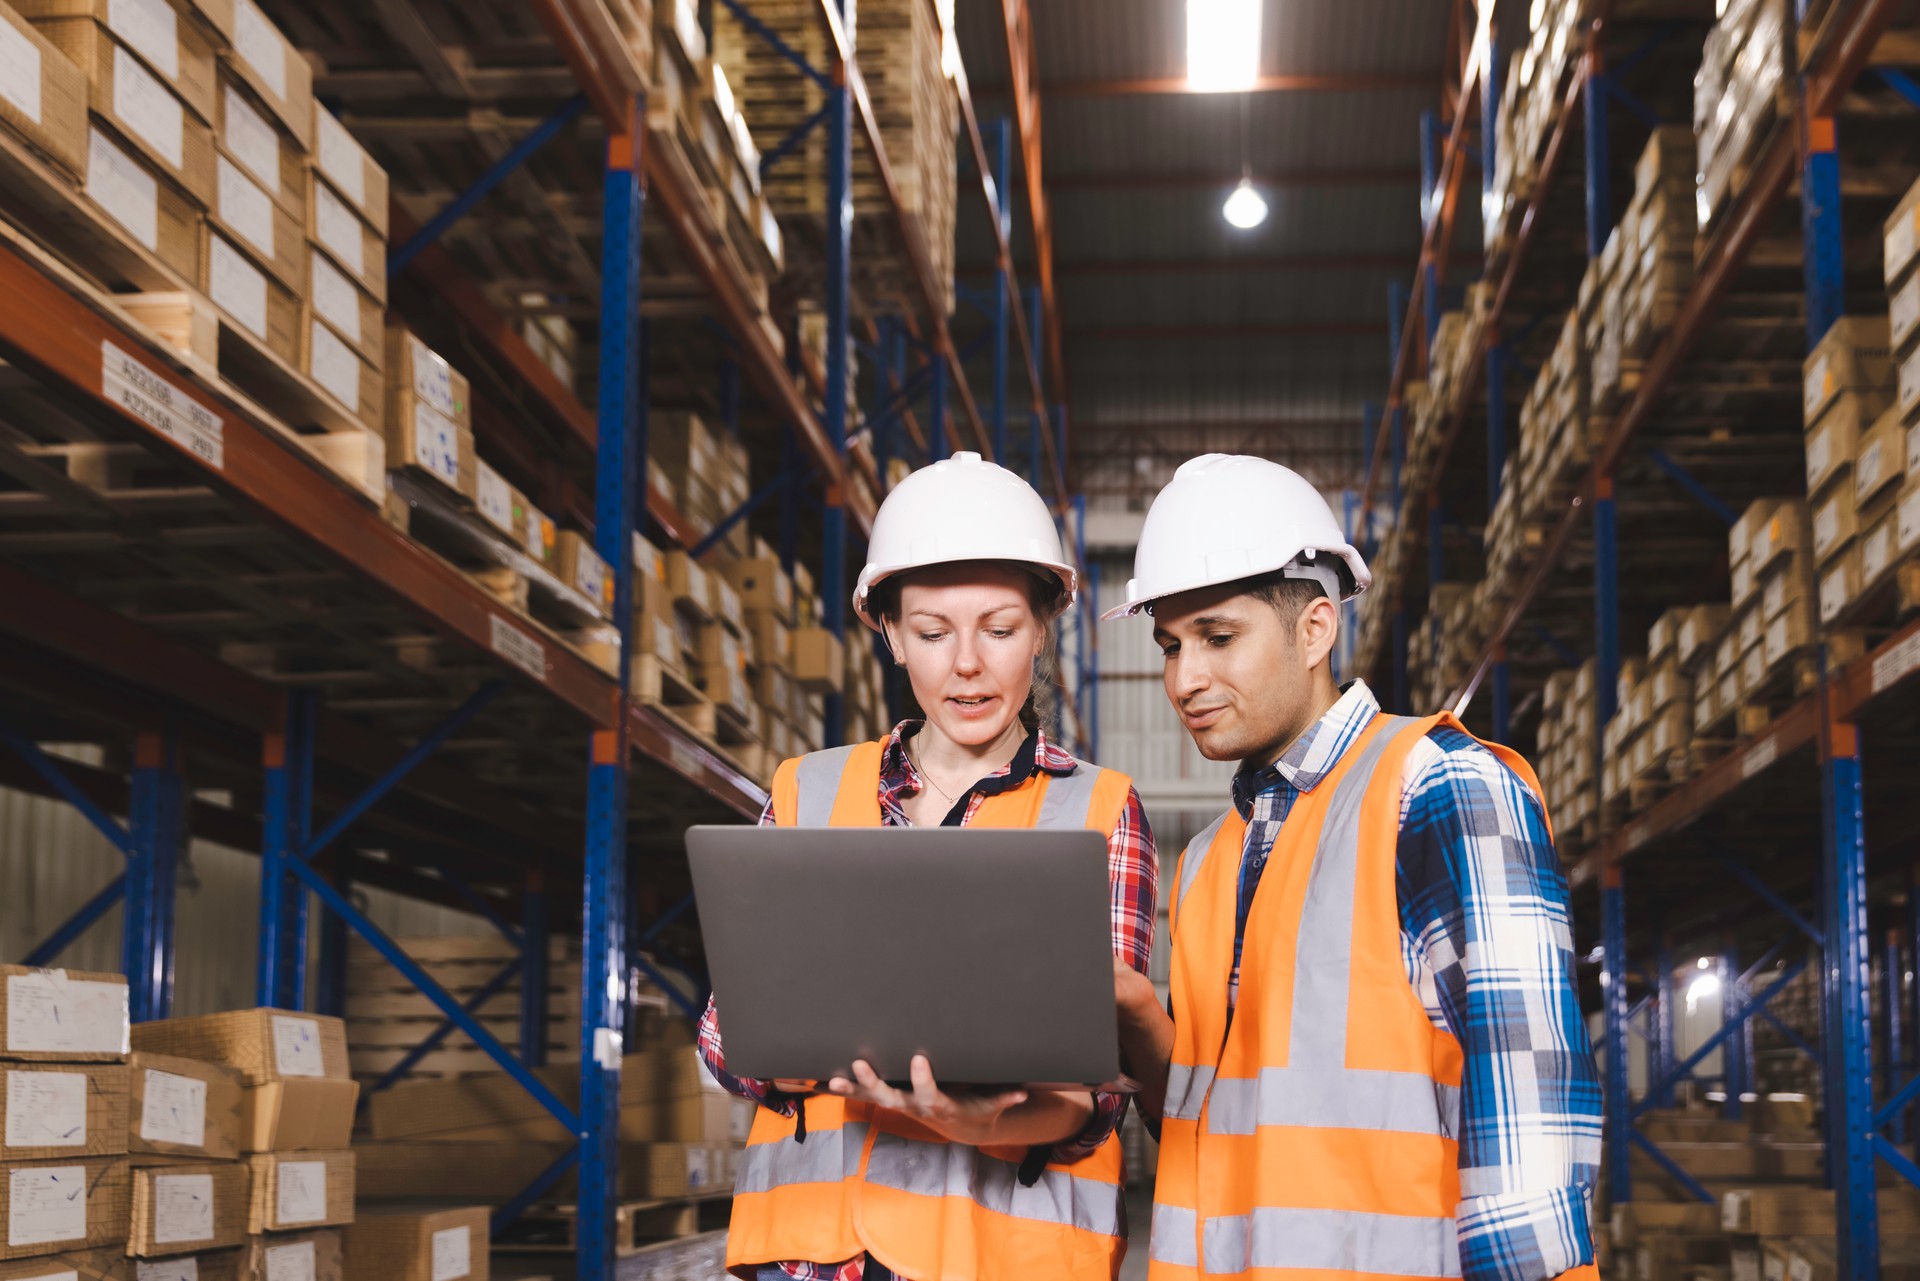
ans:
(1372, 1060)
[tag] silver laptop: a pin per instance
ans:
(987, 950)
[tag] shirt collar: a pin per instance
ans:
(1037, 753)
(1312, 756)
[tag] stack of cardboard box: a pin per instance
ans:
(296, 1123)
(1856, 457)
(191, 1188)
(1646, 267)
(1745, 74)
(418, 1243)
(46, 102)
(1565, 759)
(63, 1052)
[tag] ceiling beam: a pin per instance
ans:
(1301, 329)
(1163, 85)
(1226, 180)
(1232, 266)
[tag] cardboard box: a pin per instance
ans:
(420, 437)
(1855, 355)
(1836, 519)
(59, 1110)
(298, 1115)
(246, 130)
(690, 584)
(1879, 548)
(1744, 582)
(1788, 634)
(1881, 462)
(293, 1191)
(207, 1265)
(1740, 534)
(819, 660)
(1903, 313)
(772, 639)
(295, 1256)
(263, 1045)
(1832, 444)
(272, 68)
(159, 32)
(250, 298)
(144, 203)
(78, 1265)
(1906, 516)
(419, 1245)
(707, 1117)
(183, 1107)
(578, 566)
(1785, 530)
(1839, 584)
(724, 680)
(762, 584)
(123, 91)
(71, 1016)
(263, 229)
(343, 373)
(358, 456)
(1698, 633)
(352, 312)
(1898, 238)
(182, 1208)
(348, 239)
(418, 368)
(40, 1212)
(345, 165)
(680, 1169)
(53, 120)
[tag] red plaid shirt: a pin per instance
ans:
(1133, 872)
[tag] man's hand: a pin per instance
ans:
(968, 1118)
(1133, 993)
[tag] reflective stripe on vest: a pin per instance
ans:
(1292, 1237)
(828, 1156)
(1243, 1117)
(944, 1169)
(927, 1208)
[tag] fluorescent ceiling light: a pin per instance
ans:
(1244, 208)
(1223, 44)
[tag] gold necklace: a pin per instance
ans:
(929, 779)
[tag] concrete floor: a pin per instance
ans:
(1139, 1216)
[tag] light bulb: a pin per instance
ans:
(1244, 208)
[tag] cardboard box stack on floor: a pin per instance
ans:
(477, 1138)
(191, 1184)
(426, 1243)
(295, 1127)
(63, 1053)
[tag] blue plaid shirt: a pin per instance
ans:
(1488, 945)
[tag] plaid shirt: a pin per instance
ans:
(1133, 873)
(1487, 943)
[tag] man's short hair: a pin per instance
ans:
(1288, 596)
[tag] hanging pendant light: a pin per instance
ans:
(1245, 208)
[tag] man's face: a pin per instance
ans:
(1237, 673)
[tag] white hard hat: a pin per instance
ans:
(1224, 517)
(960, 508)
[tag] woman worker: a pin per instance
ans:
(862, 1181)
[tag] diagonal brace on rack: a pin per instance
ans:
(1766, 894)
(49, 769)
(1695, 487)
(496, 173)
(1727, 1029)
(779, 46)
(1693, 1186)
(488, 990)
(791, 143)
(77, 924)
(476, 902)
(785, 480)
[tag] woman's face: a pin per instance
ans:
(969, 638)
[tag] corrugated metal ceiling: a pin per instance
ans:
(1119, 173)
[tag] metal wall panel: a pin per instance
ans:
(52, 861)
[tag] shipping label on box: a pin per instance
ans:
(63, 1110)
(1907, 517)
(183, 1107)
(63, 1014)
(63, 1204)
(1835, 522)
(293, 1190)
(1877, 550)
(1839, 585)
(188, 1207)
(262, 1044)
(304, 1256)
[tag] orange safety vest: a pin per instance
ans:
(867, 1180)
(1317, 1129)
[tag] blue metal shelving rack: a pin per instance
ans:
(293, 869)
(1859, 1132)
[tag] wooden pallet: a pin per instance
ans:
(637, 1225)
(675, 697)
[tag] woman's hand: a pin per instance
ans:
(968, 1118)
(798, 1088)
